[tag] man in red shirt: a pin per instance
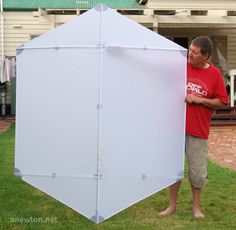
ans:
(205, 92)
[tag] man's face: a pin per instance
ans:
(195, 57)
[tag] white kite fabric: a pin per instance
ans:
(100, 117)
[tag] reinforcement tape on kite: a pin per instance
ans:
(17, 173)
(97, 219)
(101, 7)
(19, 50)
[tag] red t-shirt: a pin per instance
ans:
(206, 83)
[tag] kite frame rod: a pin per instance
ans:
(102, 46)
(94, 177)
(59, 47)
(143, 47)
(99, 145)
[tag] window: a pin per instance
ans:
(198, 12)
(182, 41)
(164, 12)
(219, 52)
(231, 13)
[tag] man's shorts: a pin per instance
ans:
(196, 151)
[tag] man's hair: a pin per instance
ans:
(204, 43)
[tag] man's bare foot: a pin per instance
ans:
(198, 214)
(167, 212)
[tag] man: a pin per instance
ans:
(205, 91)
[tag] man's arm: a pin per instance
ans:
(214, 103)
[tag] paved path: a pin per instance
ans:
(5, 123)
(222, 146)
(222, 143)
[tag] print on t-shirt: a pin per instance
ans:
(197, 87)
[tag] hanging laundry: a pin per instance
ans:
(9, 69)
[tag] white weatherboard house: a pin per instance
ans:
(100, 115)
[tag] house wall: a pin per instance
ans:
(19, 27)
(192, 4)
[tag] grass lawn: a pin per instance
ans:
(24, 207)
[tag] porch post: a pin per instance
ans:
(232, 74)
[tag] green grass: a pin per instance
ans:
(24, 207)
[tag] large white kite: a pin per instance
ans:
(100, 120)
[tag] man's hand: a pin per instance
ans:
(190, 98)
(214, 103)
